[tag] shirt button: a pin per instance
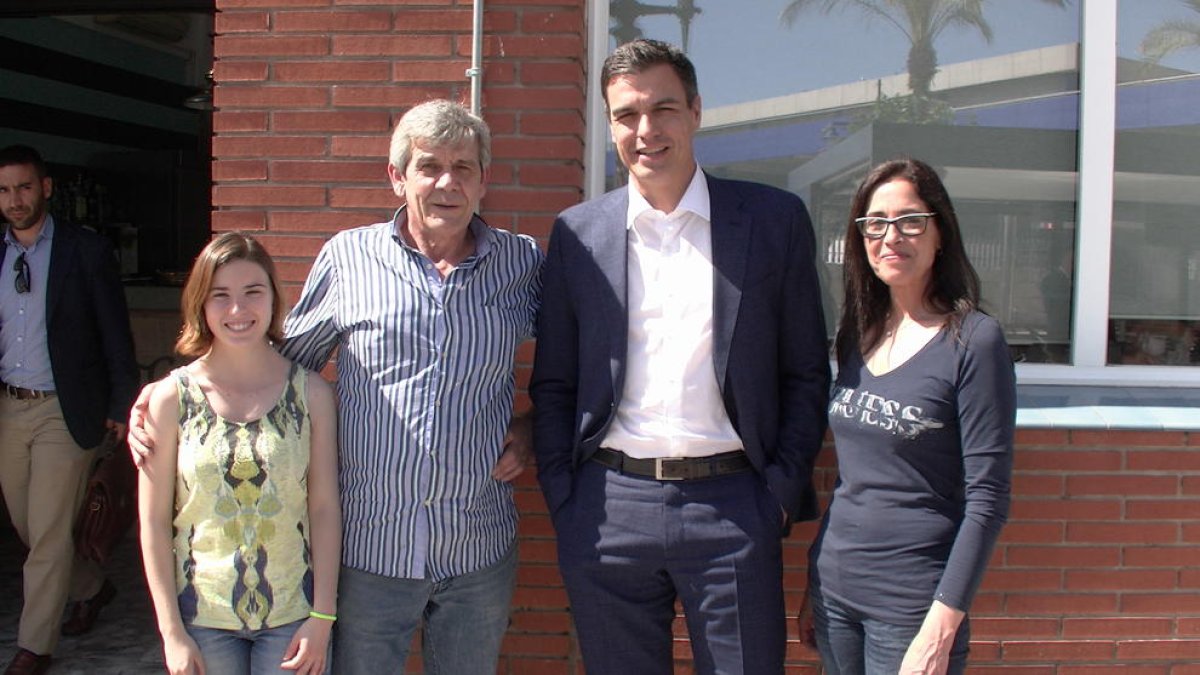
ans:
(428, 502)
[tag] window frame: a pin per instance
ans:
(1093, 208)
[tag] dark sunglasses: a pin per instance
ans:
(22, 269)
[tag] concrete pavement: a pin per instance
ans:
(125, 639)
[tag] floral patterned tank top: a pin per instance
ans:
(242, 554)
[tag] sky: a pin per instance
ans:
(743, 52)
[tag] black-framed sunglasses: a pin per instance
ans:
(21, 267)
(909, 225)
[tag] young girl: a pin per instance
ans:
(240, 522)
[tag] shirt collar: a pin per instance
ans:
(46, 233)
(481, 230)
(695, 199)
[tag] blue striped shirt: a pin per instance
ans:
(425, 391)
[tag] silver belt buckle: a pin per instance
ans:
(658, 468)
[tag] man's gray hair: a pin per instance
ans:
(439, 123)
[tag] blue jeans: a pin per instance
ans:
(244, 652)
(464, 618)
(854, 644)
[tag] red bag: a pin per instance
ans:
(110, 506)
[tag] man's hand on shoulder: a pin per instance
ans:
(140, 442)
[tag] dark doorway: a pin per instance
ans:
(116, 94)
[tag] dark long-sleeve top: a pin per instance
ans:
(925, 464)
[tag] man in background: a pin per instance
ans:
(67, 377)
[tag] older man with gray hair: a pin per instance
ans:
(426, 311)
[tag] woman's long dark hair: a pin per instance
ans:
(953, 287)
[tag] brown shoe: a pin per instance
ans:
(28, 663)
(84, 613)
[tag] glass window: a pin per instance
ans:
(809, 100)
(1155, 292)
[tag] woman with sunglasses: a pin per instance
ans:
(240, 521)
(922, 414)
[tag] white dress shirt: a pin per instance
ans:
(671, 406)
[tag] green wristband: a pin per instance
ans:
(318, 615)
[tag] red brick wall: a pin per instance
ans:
(1099, 568)
(1100, 562)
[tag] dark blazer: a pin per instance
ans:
(87, 325)
(770, 355)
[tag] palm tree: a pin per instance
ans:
(1172, 35)
(921, 21)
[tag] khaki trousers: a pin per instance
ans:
(43, 474)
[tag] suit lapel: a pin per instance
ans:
(730, 244)
(609, 247)
(61, 253)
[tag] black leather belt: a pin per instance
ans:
(23, 394)
(674, 468)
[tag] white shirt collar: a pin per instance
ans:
(695, 199)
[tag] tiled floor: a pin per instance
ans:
(125, 639)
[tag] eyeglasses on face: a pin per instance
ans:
(21, 267)
(909, 225)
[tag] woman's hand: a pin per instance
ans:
(308, 648)
(929, 653)
(182, 655)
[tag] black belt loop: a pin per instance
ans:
(674, 468)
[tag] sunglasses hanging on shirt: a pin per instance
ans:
(21, 267)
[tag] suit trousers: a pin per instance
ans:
(630, 546)
(43, 474)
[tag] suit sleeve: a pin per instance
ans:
(803, 373)
(555, 383)
(112, 315)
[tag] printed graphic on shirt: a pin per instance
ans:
(241, 515)
(907, 421)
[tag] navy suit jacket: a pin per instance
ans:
(770, 354)
(87, 326)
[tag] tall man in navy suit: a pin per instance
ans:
(67, 376)
(680, 385)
